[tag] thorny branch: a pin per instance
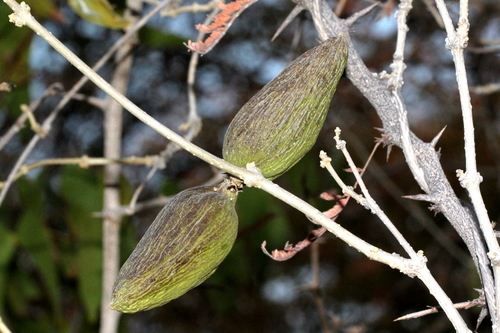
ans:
(374, 88)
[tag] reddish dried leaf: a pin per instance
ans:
(222, 22)
(350, 170)
(330, 196)
(289, 251)
(333, 212)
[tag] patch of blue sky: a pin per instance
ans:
(85, 127)
(43, 57)
(384, 28)
(182, 25)
(209, 78)
(269, 69)
(245, 55)
(490, 32)
(216, 105)
(280, 290)
(420, 75)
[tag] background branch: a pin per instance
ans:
(113, 128)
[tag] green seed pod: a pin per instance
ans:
(281, 123)
(184, 245)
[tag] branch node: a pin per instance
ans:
(414, 267)
(21, 16)
(256, 178)
(340, 143)
(84, 162)
(325, 159)
(35, 126)
(494, 256)
(469, 180)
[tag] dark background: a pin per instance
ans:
(50, 244)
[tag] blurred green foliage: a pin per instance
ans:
(100, 12)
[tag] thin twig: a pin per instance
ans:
(480, 301)
(83, 162)
(135, 207)
(457, 41)
(192, 124)
(406, 144)
(432, 8)
(47, 124)
(293, 14)
(419, 267)
(3, 327)
(398, 65)
(420, 215)
(366, 200)
(52, 90)
(340, 7)
(35, 126)
(486, 89)
(395, 83)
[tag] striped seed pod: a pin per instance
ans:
(184, 245)
(281, 123)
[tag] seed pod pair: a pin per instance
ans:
(184, 245)
(281, 123)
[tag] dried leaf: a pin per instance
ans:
(333, 212)
(289, 251)
(222, 22)
(330, 196)
(350, 170)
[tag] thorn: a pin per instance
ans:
(296, 11)
(421, 197)
(386, 141)
(482, 315)
(418, 314)
(354, 17)
(437, 137)
(389, 150)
